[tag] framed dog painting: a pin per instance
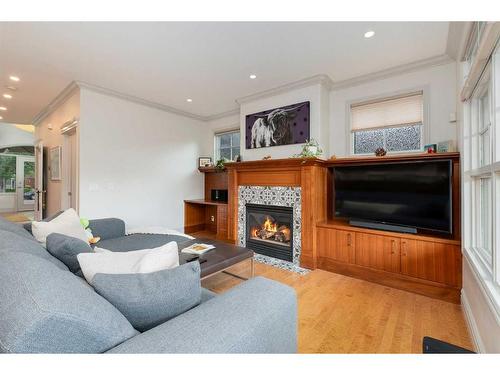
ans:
(278, 127)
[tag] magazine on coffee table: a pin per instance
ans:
(198, 248)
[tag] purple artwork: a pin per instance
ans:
(277, 127)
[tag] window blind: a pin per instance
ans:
(401, 110)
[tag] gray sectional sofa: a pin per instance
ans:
(44, 308)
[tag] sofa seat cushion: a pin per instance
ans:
(139, 241)
(46, 310)
(18, 229)
(66, 249)
(150, 299)
(10, 241)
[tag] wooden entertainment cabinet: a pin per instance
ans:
(427, 264)
(422, 263)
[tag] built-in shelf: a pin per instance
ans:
(205, 202)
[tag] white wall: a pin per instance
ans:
(438, 83)
(317, 94)
(66, 111)
(482, 319)
(138, 163)
(230, 122)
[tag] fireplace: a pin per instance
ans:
(269, 230)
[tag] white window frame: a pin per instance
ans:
(487, 271)
(217, 149)
(424, 133)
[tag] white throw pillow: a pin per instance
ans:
(67, 223)
(139, 261)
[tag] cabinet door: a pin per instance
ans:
(221, 222)
(431, 261)
(380, 252)
(336, 245)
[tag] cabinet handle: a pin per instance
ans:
(349, 240)
(403, 248)
(393, 246)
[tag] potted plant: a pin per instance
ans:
(310, 149)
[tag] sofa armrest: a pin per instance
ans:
(257, 316)
(107, 228)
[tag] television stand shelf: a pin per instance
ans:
(425, 264)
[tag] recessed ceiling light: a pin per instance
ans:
(1, 118)
(3, 109)
(11, 88)
(369, 34)
(14, 78)
(7, 96)
(189, 100)
(253, 76)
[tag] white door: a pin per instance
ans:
(39, 197)
(69, 181)
(25, 172)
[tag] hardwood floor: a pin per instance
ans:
(339, 314)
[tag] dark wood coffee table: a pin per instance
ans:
(224, 256)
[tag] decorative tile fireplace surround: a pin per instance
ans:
(269, 196)
(297, 183)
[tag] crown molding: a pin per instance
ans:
(69, 90)
(322, 79)
(56, 102)
(390, 72)
(217, 116)
(135, 99)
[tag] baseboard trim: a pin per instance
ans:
(394, 280)
(471, 324)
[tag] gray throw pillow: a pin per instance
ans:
(150, 299)
(66, 248)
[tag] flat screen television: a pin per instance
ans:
(410, 196)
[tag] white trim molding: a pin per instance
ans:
(489, 39)
(55, 103)
(477, 342)
(217, 116)
(394, 71)
(75, 85)
(135, 99)
(322, 79)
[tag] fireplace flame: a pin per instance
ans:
(269, 225)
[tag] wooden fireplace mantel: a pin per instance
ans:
(308, 174)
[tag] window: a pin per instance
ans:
(227, 145)
(484, 127)
(481, 167)
(395, 123)
(484, 225)
(7, 174)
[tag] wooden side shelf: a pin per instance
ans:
(205, 215)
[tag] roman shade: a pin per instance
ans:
(401, 110)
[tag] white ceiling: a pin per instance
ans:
(169, 62)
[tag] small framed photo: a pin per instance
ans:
(55, 163)
(431, 148)
(204, 162)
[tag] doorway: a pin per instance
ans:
(25, 189)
